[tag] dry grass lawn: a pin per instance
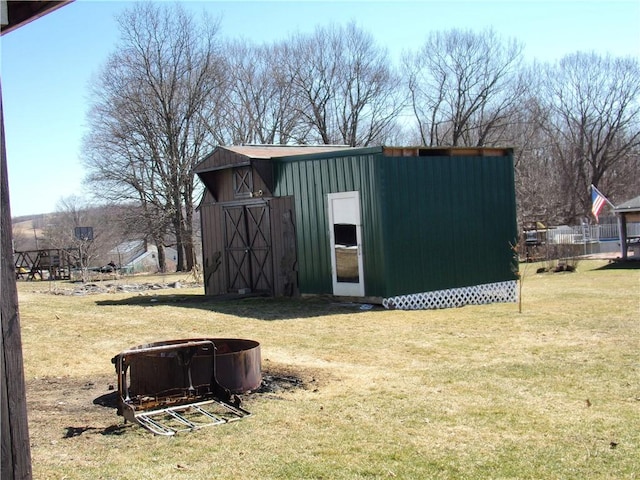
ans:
(474, 392)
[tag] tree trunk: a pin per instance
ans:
(188, 235)
(188, 251)
(179, 246)
(162, 257)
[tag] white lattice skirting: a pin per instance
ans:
(456, 297)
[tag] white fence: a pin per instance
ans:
(580, 234)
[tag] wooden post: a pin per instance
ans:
(16, 451)
(622, 226)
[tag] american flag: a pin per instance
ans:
(597, 201)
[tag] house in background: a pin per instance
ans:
(403, 226)
(629, 215)
(138, 256)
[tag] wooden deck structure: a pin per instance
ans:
(46, 264)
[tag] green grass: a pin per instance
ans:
(474, 392)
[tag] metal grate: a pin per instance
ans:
(456, 297)
(171, 420)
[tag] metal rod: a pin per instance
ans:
(162, 348)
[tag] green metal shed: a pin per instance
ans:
(409, 227)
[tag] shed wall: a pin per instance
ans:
(212, 246)
(448, 222)
(309, 181)
(429, 223)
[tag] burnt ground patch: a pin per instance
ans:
(75, 407)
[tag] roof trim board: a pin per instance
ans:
(16, 13)
(223, 157)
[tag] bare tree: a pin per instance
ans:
(346, 86)
(532, 163)
(368, 100)
(593, 124)
(464, 87)
(258, 101)
(538, 199)
(121, 173)
(147, 123)
(72, 213)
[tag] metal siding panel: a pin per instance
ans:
(301, 184)
(473, 238)
(305, 259)
(353, 174)
(495, 188)
(312, 180)
(373, 246)
(448, 222)
(406, 219)
(442, 251)
(492, 213)
(333, 175)
(321, 260)
(341, 175)
(486, 182)
(391, 226)
(464, 202)
(423, 227)
(439, 242)
(385, 182)
(418, 247)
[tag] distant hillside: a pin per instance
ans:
(27, 231)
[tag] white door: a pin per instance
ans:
(345, 233)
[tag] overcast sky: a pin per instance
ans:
(46, 66)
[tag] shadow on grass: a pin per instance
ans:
(120, 429)
(621, 265)
(108, 400)
(259, 308)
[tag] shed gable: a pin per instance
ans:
(251, 167)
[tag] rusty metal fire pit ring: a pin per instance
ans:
(173, 379)
(238, 366)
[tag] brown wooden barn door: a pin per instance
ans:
(259, 235)
(248, 248)
(236, 249)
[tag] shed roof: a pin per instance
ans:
(632, 205)
(276, 151)
(239, 155)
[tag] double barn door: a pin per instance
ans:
(248, 252)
